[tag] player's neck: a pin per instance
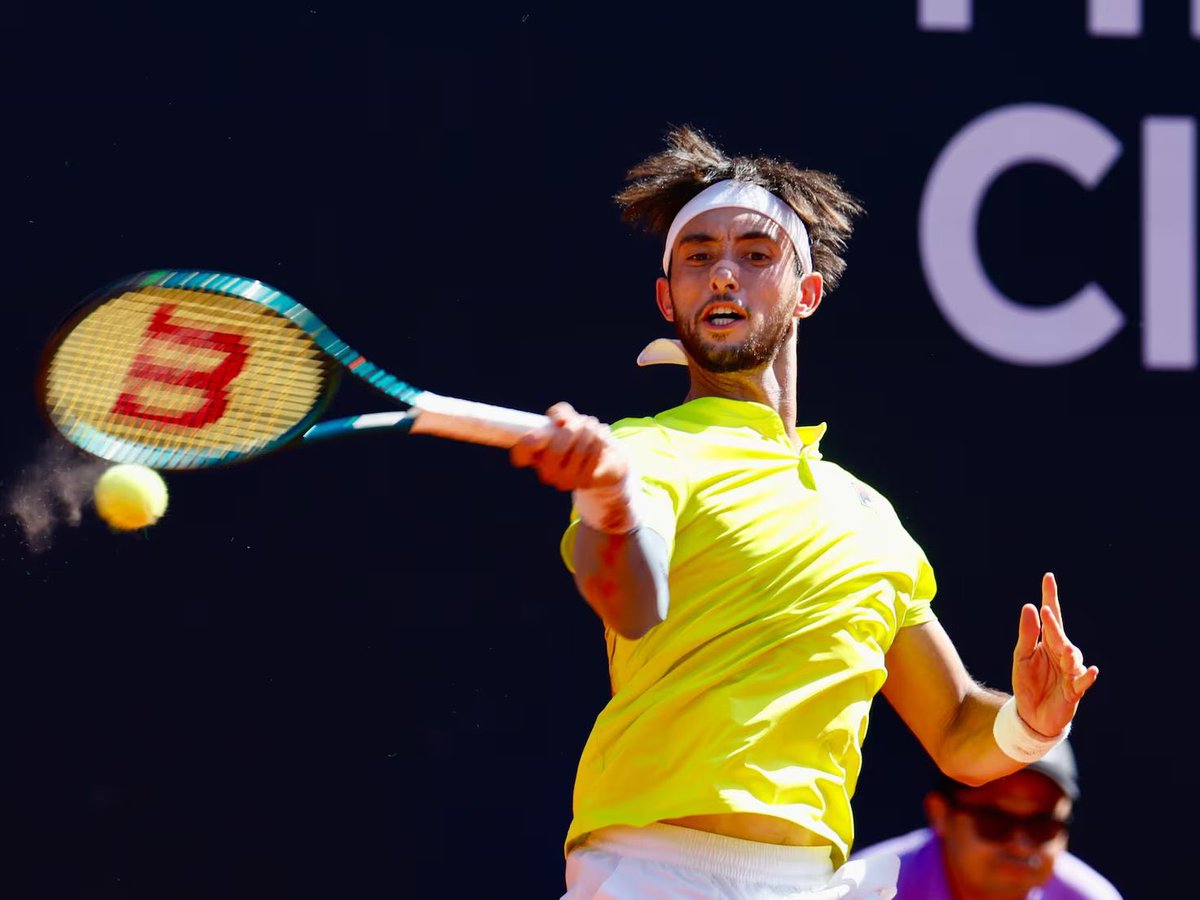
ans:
(773, 385)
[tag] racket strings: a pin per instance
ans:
(185, 370)
(276, 361)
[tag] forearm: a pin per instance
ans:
(620, 565)
(952, 715)
(968, 751)
(623, 577)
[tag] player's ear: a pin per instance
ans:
(810, 292)
(936, 810)
(662, 295)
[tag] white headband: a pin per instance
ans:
(742, 195)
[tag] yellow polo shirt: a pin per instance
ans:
(789, 579)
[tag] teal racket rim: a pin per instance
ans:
(123, 450)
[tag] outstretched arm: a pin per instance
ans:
(620, 567)
(953, 716)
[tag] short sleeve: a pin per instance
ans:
(920, 608)
(913, 606)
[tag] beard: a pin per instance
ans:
(722, 355)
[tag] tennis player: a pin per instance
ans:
(755, 595)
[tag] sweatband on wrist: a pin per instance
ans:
(614, 508)
(1017, 740)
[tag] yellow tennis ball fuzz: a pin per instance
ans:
(129, 497)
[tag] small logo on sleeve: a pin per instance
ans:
(866, 496)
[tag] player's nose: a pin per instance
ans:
(724, 277)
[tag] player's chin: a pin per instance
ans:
(736, 328)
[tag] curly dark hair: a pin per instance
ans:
(659, 186)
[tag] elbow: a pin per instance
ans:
(964, 764)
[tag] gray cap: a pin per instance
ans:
(1059, 766)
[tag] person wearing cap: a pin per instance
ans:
(755, 595)
(1004, 840)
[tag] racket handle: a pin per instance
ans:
(466, 420)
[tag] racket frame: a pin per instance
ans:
(338, 356)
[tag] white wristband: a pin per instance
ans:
(1018, 740)
(614, 508)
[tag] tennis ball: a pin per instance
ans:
(129, 497)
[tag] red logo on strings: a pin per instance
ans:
(211, 383)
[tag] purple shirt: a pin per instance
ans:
(922, 876)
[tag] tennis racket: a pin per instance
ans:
(187, 369)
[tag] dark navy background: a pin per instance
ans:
(359, 669)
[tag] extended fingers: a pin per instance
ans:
(1081, 683)
(1027, 633)
(1086, 680)
(1054, 635)
(1066, 655)
(1050, 595)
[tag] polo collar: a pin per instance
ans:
(759, 416)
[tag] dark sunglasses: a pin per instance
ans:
(995, 826)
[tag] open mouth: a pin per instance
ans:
(723, 315)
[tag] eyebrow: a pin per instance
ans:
(700, 237)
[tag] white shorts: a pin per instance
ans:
(667, 861)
